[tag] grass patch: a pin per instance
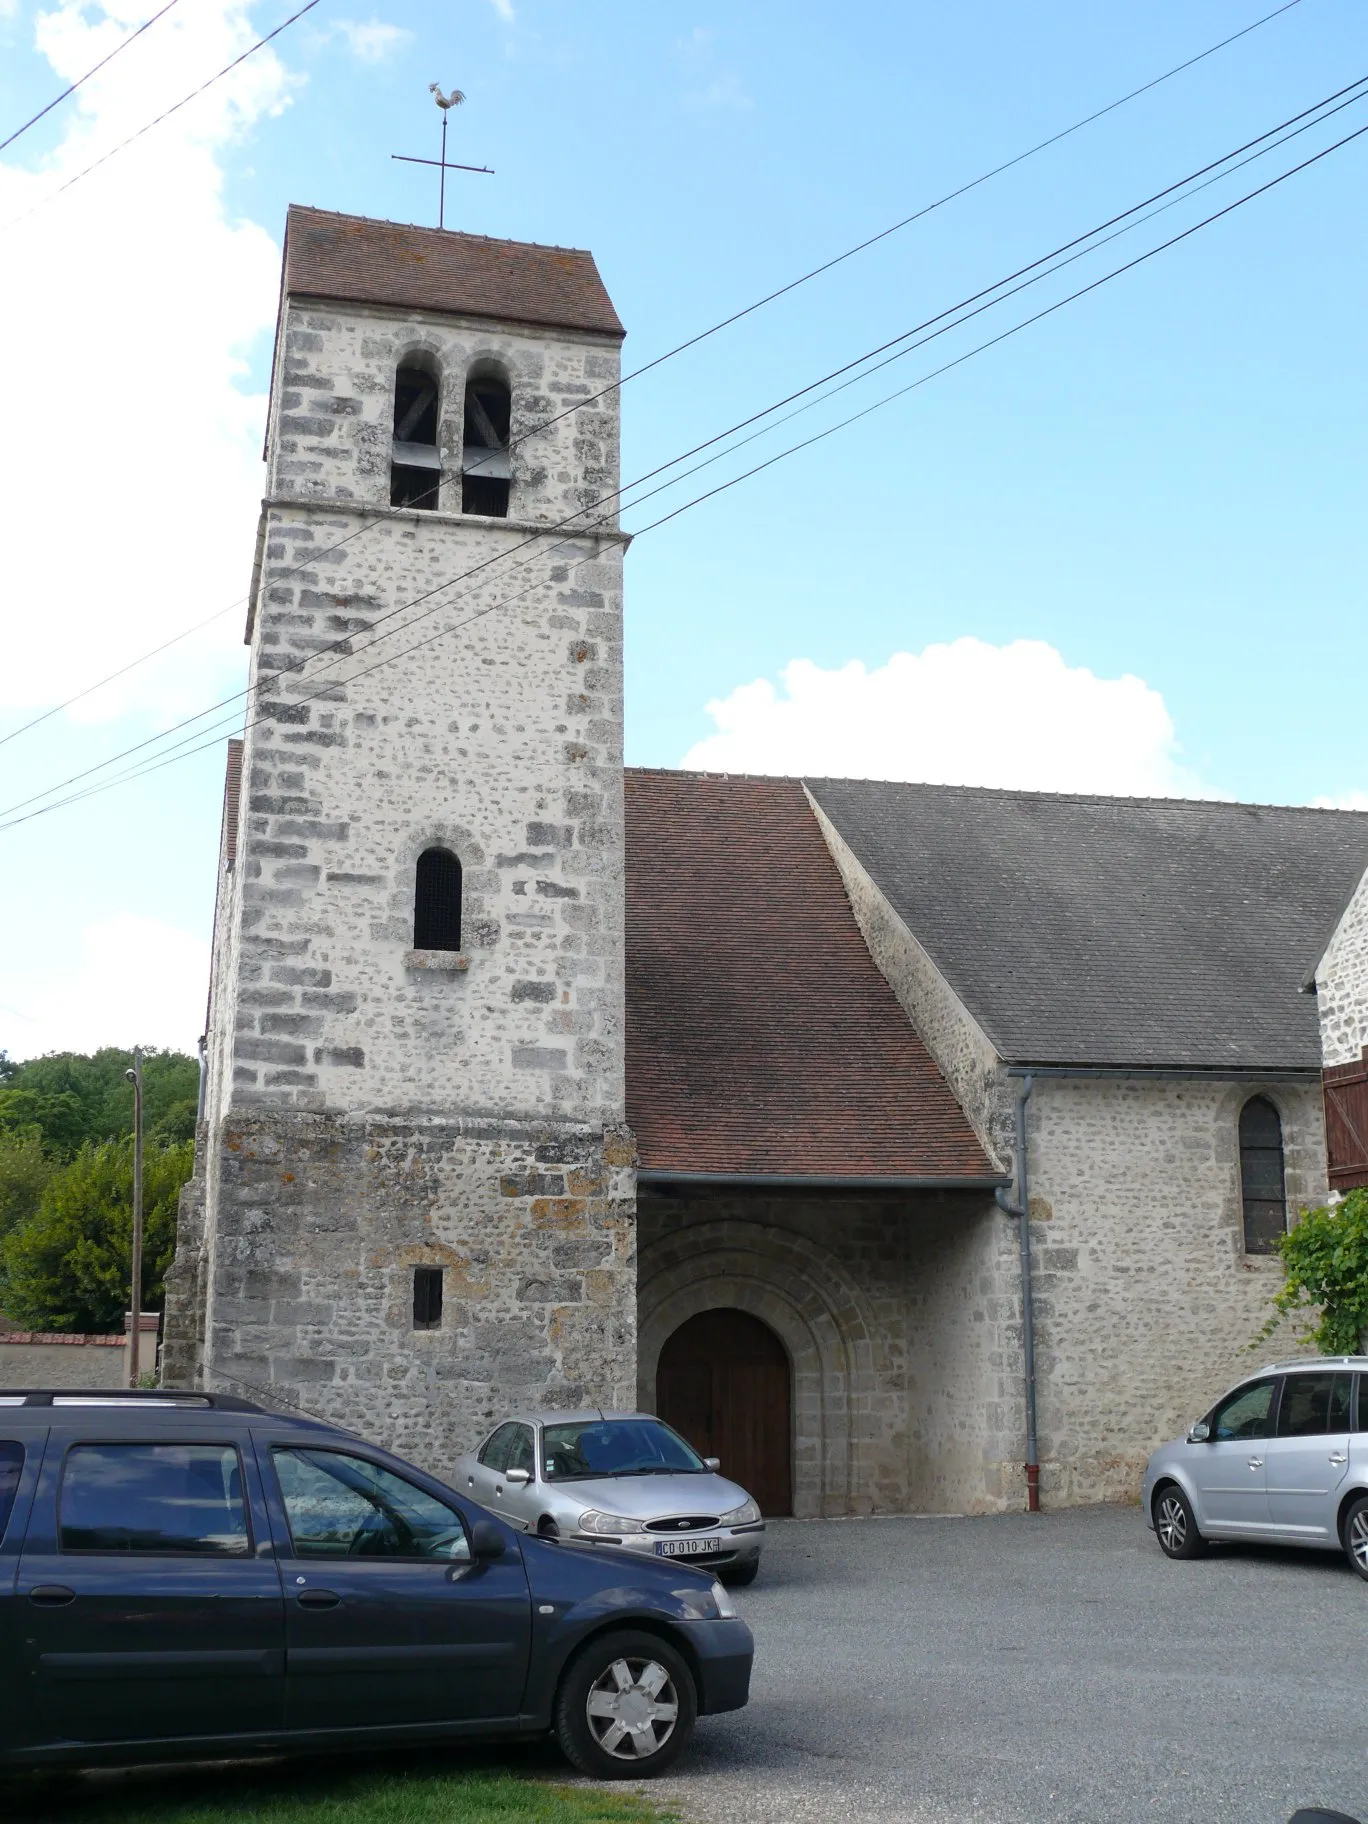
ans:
(426, 1791)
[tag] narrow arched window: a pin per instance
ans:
(416, 464)
(485, 467)
(437, 901)
(1262, 1186)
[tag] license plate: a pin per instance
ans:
(684, 1548)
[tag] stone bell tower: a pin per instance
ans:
(413, 1202)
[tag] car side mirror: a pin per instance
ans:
(1200, 1433)
(712, 1462)
(519, 1477)
(486, 1541)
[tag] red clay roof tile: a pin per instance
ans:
(761, 1037)
(356, 260)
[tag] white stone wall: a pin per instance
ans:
(1342, 985)
(500, 738)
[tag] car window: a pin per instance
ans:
(340, 1506)
(1361, 1420)
(1244, 1413)
(11, 1463)
(495, 1453)
(159, 1498)
(616, 1447)
(520, 1455)
(1313, 1404)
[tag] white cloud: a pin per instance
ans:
(135, 981)
(504, 8)
(1344, 801)
(373, 40)
(964, 713)
(131, 462)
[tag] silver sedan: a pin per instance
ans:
(616, 1478)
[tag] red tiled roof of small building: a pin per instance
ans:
(761, 1037)
(352, 259)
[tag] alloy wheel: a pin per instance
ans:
(1170, 1518)
(632, 1708)
(1358, 1540)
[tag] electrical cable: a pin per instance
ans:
(175, 108)
(948, 319)
(156, 763)
(712, 330)
(94, 69)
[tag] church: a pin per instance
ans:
(910, 1148)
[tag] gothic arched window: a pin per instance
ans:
(485, 470)
(416, 464)
(1262, 1187)
(437, 901)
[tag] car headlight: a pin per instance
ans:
(591, 1521)
(745, 1515)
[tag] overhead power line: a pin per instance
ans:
(94, 70)
(175, 108)
(858, 369)
(155, 763)
(703, 335)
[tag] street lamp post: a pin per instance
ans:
(135, 1078)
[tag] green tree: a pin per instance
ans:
(25, 1169)
(1325, 1263)
(66, 1268)
(75, 1099)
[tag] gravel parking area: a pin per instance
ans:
(1037, 1670)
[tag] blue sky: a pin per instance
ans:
(1162, 482)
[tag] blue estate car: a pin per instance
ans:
(189, 1575)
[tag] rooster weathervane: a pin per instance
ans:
(446, 103)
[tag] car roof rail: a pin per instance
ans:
(181, 1397)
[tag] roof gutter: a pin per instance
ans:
(817, 1181)
(1162, 1074)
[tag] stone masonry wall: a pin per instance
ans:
(1146, 1302)
(897, 1321)
(321, 1220)
(1342, 985)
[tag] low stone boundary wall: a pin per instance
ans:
(30, 1358)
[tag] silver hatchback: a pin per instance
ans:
(1282, 1458)
(616, 1478)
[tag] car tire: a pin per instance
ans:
(739, 1576)
(621, 1694)
(1175, 1524)
(1354, 1535)
(547, 1528)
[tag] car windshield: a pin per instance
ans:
(616, 1447)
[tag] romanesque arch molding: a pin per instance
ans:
(805, 1296)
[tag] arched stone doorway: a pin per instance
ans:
(724, 1382)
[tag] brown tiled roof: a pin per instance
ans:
(761, 1038)
(356, 260)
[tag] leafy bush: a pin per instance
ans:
(67, 1266)
(1325, 1261)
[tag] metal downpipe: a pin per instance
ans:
(1021, 1211)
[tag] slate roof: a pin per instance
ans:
(761, 1038)
(1114, 931)
(356, 260)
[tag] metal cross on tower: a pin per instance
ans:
(446, 103)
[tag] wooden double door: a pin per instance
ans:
(724, 1384)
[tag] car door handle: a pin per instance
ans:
(1339, 1456)
(51, 1595)
(318, 1599)
(1256, 1462)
